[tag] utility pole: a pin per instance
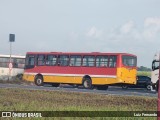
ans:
(11, 39)
(158, 104)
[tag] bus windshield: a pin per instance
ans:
(155, 65)
(129, 61)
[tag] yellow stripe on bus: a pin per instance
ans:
(78, 80)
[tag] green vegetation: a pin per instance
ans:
(142, 68)
(41, 100)
(145, 73)
(38, 100)
(19, 99)
(16, 81)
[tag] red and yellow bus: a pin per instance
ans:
(87, 69)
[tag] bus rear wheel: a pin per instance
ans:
(39, 81)
(87, 83)
(124, 87)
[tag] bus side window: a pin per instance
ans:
(101, 61)
(75, 60)
(51, 60)
(63, 60)
(41, 60)
(30, 61)
(15, 63)
(4, 62)
(112, 61)
(89, 61)
(20, 62)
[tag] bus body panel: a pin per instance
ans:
(14, 71)
(29, 77)
(61, 78)
(154, 76)
(17, 66)
(127, 75)
(74, 74)
(72, 79)
(155, 71)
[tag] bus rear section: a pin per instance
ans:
(87, 69)
(15, 70)
(127, 70)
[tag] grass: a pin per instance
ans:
(16, 81)
(38, 100)
(43, 100)
(32, 100)
(145, 73)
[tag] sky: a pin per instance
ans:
(127, 26)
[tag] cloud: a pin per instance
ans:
(73, 36)
(151, 28)
(128, 38)
(152, 22)
(94, 32)
(127, 27)
(128, 32)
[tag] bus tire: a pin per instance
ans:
(124, 87)
(148, 87)
(39, 80)
(87, 83)
(19, 76)
(153, 86)
(102, 87)
(55, 84)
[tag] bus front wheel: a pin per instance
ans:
(87, 83)
(39, 81)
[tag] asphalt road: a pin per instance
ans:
(112, 90)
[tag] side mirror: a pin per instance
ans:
(153, 66)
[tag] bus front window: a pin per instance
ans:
(129, 61)
(155, 65)
(30, 61)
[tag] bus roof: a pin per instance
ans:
(80, 53)
(14, 56)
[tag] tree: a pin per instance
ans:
(142, 68)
